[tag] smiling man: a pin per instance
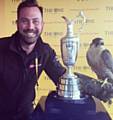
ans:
(25, 48)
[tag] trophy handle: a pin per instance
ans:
(70, 23)
(81, 14)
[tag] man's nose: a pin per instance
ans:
(30, 25)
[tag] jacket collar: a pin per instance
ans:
(16, 47)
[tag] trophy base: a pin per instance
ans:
(69, 89)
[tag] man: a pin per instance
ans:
(20, 57)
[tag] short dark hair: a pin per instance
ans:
(29, 3)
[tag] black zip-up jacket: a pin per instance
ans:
(18, 75)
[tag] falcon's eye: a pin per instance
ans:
(102, 43)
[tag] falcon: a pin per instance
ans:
(100, 60)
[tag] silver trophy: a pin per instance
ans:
(69, 84)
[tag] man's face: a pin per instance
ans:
(30, 24)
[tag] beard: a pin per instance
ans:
(30, 36)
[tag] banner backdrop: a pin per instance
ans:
(1, 17)
(99, 14)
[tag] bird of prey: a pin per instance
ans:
(100, 60)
